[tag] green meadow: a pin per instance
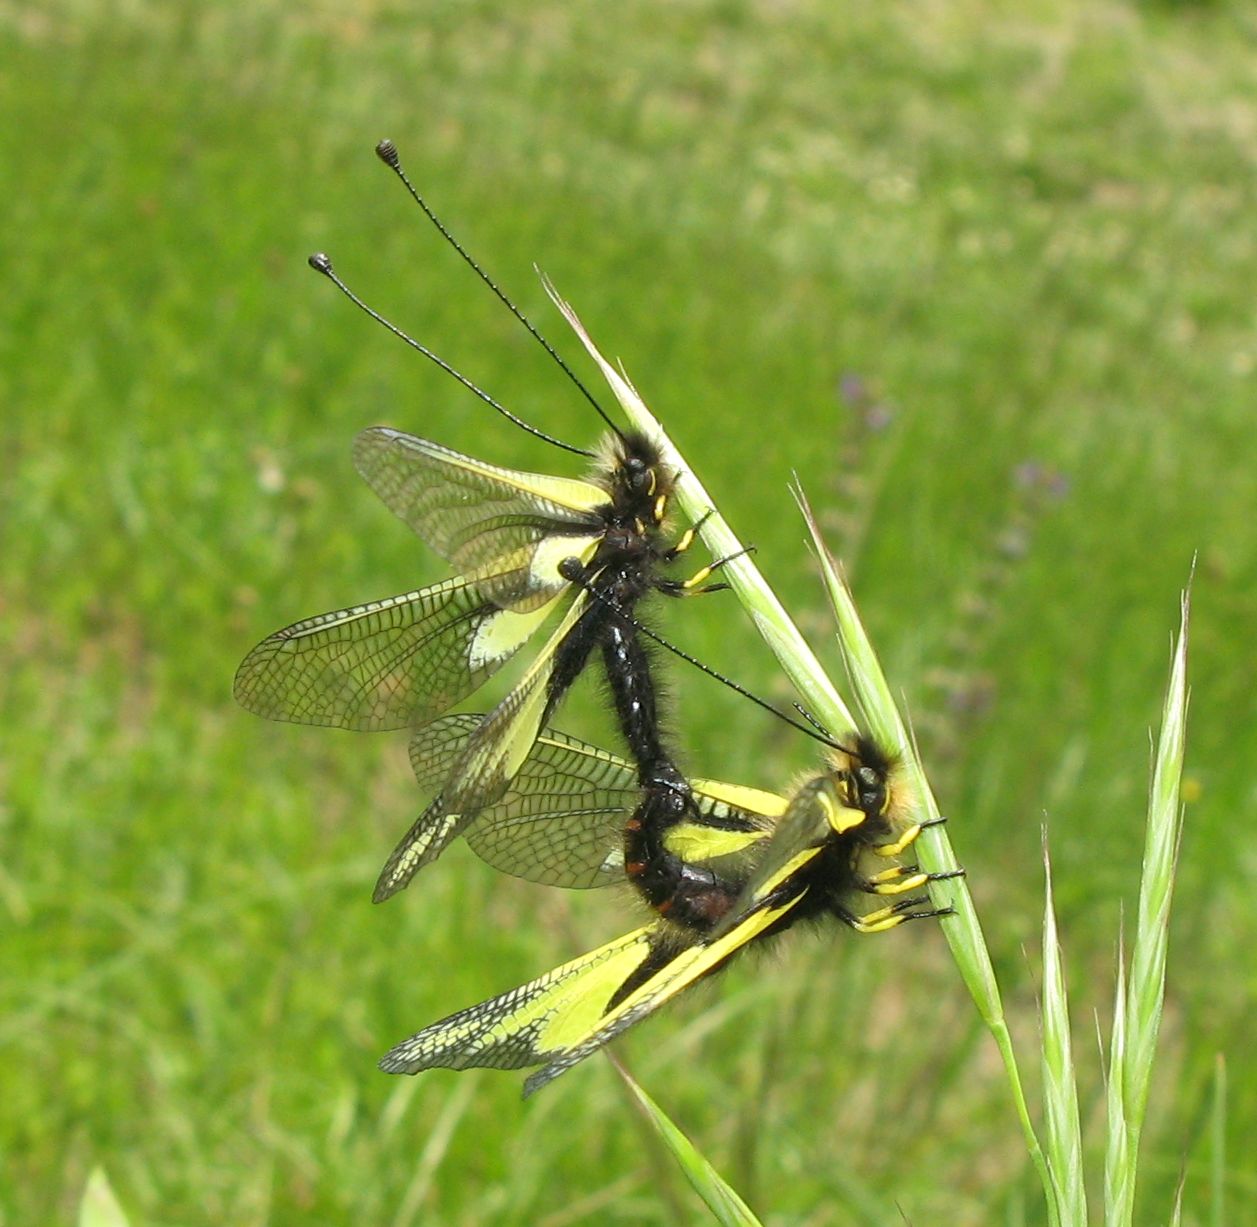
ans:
(979, 276)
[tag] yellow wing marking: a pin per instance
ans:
(473, 513)
(505, 1031)
(566, 493)
(391, 663)
(561, 1017)
(688, 967)
(495, 751)
(743, 797)
(482, 772)
(502, 633)
(431, 834)
(550, 551)
(696, 843)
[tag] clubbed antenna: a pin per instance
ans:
(321, 263)
(386, 151)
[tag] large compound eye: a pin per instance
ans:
(870, 790)
(638, 475)
(864, 788)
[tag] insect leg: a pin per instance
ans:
(696, 584)
(891, 917)
(907, 839)
(900, 879)
(686, 539)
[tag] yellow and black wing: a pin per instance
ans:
(483, 768)
(399, 662)
(388, 664)
(474, 514)
(529, 1024)
(561, 821)
(775, 898)
(564, 1016)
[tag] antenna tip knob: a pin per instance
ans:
(321, 262)
(386, 151)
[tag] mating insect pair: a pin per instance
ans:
(729, 867)
(721, 865)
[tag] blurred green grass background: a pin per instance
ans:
(1028, 230)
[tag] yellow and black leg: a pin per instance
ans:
(906, 839)
(697, 583)
(891, 917)
(686, 539)
(899, 879)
